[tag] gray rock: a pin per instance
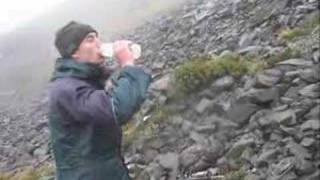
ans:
(282, 168)
(204, 174)
(149, 155)
(41, 151)
(246, 39)
(153, 171)
(136, 158)
(308, 142)
(237, 148)
(161, 84)
(197, 138)
(289, 176)
(314, 176)
(311, 91)
(314, 113)
(304, 167)
(227, 53)
(221, 123)
(263, 96)
(190, 156)
(224, 83)
(203, 105)
(316, 56)
(265, 122)
(251, 50)
(287, 117)
(298, 151)
(177, 120)
(297, 62)
(134, 170)
(269, 10)
(305, 8)
(170, 162)
(186, 126)
(268, 78)
(249, 82)
(219, 108)
(199, 157)
(313, 124)
(292, 131)
(241, 111)
(158, 65)
(290, 75)
(162, 99)
(311, 75)
(155, 143)
(266, 157)
(208, 129)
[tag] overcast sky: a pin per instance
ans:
(15, 12)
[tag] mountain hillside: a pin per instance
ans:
(235, 96)
(27, 54)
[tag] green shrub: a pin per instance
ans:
(288, 53)
(290, 34)
(148, 128)
(200, 72)
(307, 28)
(236, 175)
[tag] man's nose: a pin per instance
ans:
(98, 42)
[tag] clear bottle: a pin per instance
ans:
(108, 52)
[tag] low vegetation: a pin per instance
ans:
(147, 128)
(200, 72)
(235, 175)
(45, 172)
(290, 34)
(288, 53)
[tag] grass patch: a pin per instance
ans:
(149, 128)
(45, 172)
(288, 53)
(235, 175)
(200, 72)
(290, 34)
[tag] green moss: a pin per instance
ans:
(235, 175)
(200, 72)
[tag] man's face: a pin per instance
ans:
(89, 50)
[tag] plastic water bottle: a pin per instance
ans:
(108, 52)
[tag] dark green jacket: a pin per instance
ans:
(85, 119)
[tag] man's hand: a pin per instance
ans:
(123, 54)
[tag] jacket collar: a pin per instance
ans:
(65, 67)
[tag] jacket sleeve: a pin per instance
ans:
(129, 92)
(87, 104)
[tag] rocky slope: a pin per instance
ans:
(235, 126)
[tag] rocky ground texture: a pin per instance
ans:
(253, 126)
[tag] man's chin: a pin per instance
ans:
(100, 60)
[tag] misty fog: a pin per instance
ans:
(27, 54)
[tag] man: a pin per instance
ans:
(84, 118)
